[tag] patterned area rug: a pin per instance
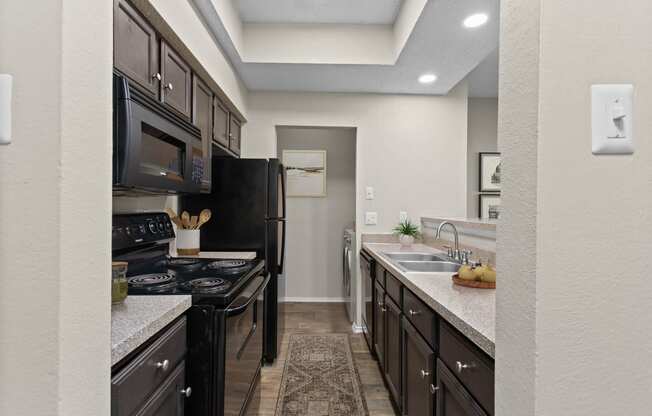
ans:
(319, 378)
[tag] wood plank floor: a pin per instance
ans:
(319, 318)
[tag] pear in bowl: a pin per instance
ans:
(465, 272)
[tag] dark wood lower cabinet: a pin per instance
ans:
(169, 400)
(452, 398)
(379, 327)
(393, 349)
(418, 373)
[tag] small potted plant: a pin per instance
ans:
(406, 232)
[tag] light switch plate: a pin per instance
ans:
(612, 119)
(369, 192)
(371, 218)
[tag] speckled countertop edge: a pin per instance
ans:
(139, 318)
(480, 331)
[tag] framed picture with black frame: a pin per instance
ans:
(489, 206)
(490, 164)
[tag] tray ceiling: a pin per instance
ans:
(300, 45)
(382, 12)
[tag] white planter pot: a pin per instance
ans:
(405, 240)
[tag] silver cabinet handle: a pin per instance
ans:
(169, 86)
(186, 392)
(424, 373)
(157, 76)
(163, 365)
(461, 366)
(414, 313)
(433, 389)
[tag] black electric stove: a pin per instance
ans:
(225, 337)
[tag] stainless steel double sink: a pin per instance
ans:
(422, 262)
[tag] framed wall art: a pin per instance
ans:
(490, 164)
(306, 172)
(489, 208)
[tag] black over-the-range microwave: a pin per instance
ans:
(154, 149)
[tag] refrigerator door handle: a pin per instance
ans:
(282, 259)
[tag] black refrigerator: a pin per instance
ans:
(248, 205)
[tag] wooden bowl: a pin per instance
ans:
(473, 283)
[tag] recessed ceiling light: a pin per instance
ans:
(427, 78)
(475, 20)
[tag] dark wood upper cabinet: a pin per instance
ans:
(235, 131)
(379, 325)
(202, 117)
(221, 126)
(452, 397)
(418, 373)
(393, 348)
(176, 80)
(135, 47)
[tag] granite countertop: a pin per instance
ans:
(471, 311)
(139, 318)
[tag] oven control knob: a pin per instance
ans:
(152, 227)
(161, 227)
(168, 226)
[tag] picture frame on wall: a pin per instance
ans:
(489, 206)
(490, 175)
(305, 173)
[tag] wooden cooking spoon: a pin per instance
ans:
(204, 216)
(174, 217)
(185, 220)
(193, 222)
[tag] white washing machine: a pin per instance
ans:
(349, 273)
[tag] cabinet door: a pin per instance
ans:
(379, 325)
(202, 117)
(452, 397)
(135, 48)
(418, 373)
(393, 349)
(221, 126)
(169, 399)
(177, 80)
(235, 130)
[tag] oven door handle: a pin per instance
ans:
(237, 307)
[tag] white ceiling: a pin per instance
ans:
(438, 43)
(318, 11)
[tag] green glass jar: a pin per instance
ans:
(119, 285)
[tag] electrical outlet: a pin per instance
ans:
(370, 192)
(402, 216)
(371, 218)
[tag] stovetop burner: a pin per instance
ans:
(227, 265)
(208, 284)
(182, 262)
(152, 280)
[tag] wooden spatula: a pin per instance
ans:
(204, 216)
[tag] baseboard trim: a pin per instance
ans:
(310, 299)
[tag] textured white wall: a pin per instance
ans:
(516, 234)
(55, 182)
(315, 226)
(572, 332)
(483, 137)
